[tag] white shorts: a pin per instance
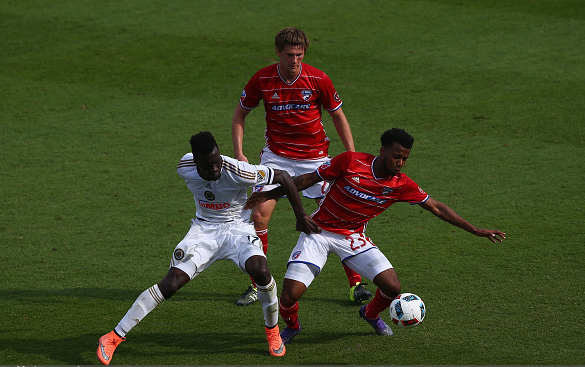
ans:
(208, 242)
(356, 251)
(294, 168)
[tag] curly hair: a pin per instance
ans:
(202, 143)
(396, 135)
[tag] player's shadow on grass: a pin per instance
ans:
(81, 349)
(57, 295)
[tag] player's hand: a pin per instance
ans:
(241, 157)
(307, 225)
(493, 235)
(255, 199)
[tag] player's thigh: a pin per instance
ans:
(307, 258)
(369, 263)
(242, 245)
(197, 249)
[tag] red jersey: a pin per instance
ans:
(293, 111)
(355, 195)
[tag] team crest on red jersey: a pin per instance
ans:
(387, 191)
(306, 94)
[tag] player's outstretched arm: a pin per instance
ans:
(304, 223)
(447, 214)
(301, 182)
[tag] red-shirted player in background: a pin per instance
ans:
(362, 187)
(294, 96)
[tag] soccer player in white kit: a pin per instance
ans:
(220, 231)
(362, 186)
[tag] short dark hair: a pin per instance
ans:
(291, 37)
(396, 135)
(202, 143)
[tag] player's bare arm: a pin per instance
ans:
(238, 124)
(447, 214)
(342, 126)
(288, 187)
(302, 182)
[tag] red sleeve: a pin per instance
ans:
(251, 95)
(329, 97)
(412, 193)
(335, 168)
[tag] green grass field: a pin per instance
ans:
(99, 98)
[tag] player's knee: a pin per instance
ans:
(292, 291)
(388, 283)
(174, 280)
(257, 268)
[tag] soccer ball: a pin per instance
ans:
(407, 310)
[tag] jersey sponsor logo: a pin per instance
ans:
(362, 195)
(290, 106)
(209, 195)
(306, 94)
(214, 206)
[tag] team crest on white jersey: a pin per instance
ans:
(209, 195)
(296, 255)
(275, 96)
(261, 175)
(306, 94)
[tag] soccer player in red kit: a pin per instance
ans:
(294, 95)
(362, 186)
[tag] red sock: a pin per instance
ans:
(379, 303)
(290, 315)
(263, 234)
(353, 277)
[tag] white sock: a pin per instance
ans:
(269, 300)
(145, 303)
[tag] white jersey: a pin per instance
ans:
(223, 200)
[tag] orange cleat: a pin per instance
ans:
(275, 344)
(107, 346)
